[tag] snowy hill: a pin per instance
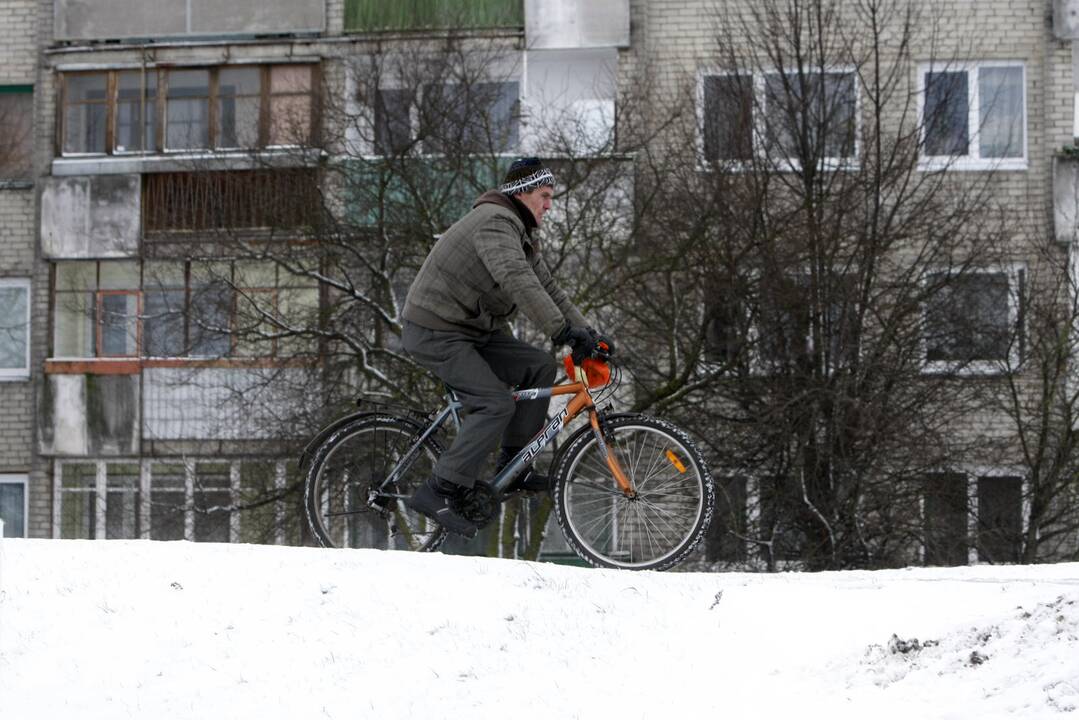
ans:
(178, 630)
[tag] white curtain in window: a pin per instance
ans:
(1000, 91)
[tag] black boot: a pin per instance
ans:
(528, 480)
(435, 499)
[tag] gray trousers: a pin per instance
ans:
(482, 370)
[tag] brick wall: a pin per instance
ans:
(18, 44)
(18, 233)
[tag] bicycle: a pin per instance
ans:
(630, 491)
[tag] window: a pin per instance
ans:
(14, 505)
(96, 309)
(972, 321)
(450, 119)
(14, 328)
(1000, 523)
(85, 113)
(974, 117)
(945, 518)
(782, 323)
(769, 115)
(393, 121)
(182, 109)
(123, 493)
(290, 104)
(187, 110)
(179, 309)
(728, 117)
(136, 111)
(78, 501)
(212, 502)
(239, 95)
(166, 500)
(16, 138)
(725, 323)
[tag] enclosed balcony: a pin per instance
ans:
(418, 15)
(77, 20)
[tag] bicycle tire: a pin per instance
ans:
(345, 472)
(662, 524)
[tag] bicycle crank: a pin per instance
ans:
(479, 504)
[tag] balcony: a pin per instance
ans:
(77, 20)
(412, 15)
(577, 24)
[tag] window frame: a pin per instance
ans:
(24, 480)
(113, 110)
(62, 123)
(418, 147)
(190, 472)
(97, 319)
(15, 374)
(1016, 275)
(758, 124)
(761, 364)
(159, 141)
(973, 160)
(100, 323)
(237, 289)
(980, 531)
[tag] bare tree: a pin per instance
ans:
(794, 258)
(301, 264)
(1038, 396)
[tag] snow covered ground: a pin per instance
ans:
(139, 629)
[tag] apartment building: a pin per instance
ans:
(148, 137)
(1004, 74)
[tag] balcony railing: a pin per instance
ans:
(379, 15)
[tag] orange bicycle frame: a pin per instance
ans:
(580, 402)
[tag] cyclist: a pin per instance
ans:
(479, 272)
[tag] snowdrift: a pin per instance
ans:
(118, 629)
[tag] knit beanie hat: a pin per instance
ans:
(526, 174)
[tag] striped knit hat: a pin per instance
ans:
(526, 174)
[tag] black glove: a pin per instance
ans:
(604, 345)
(582, 341)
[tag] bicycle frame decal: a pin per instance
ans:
(532, 394)
(503, 479)
(553, 428)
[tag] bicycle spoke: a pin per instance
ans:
(664, 517)
(351, 497)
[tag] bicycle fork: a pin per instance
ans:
(610, 456)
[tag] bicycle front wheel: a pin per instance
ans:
(348, 501)
(661, 523)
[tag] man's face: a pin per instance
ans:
(538, 201)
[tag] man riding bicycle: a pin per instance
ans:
(480, 271)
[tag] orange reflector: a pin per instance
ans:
(676, 462)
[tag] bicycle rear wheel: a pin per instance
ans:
(346, 501)
(662, 523)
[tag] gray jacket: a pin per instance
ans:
(484, 268)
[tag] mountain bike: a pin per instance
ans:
(630, 491)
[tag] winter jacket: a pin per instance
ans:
(484, 268)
